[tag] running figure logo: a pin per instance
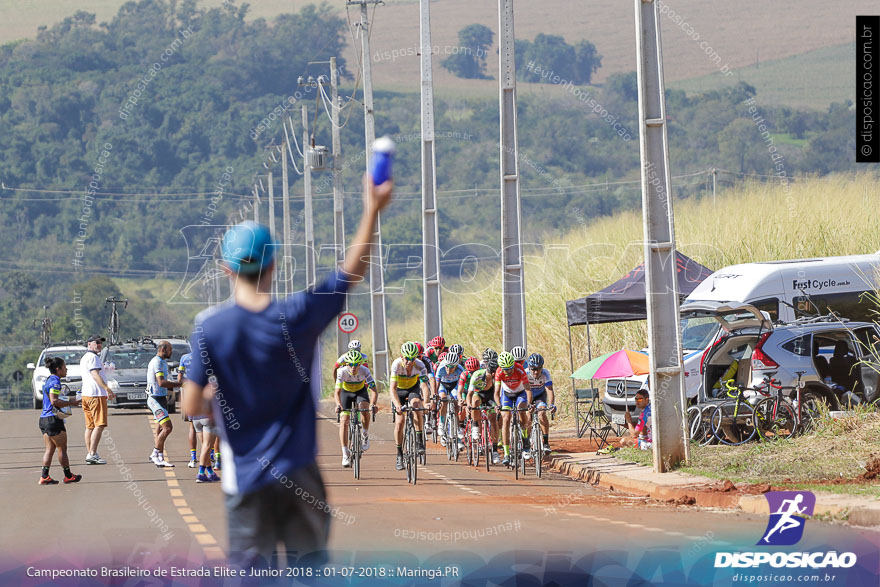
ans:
(789, 511)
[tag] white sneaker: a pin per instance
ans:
(167, 463)
(346, 461)
(475, 433)
(366, 441)
(461, 433)
(495, 458)
(152, 457)
(527, 456)
(193, 464)
(157, 459)
(428, 428)
(442, 440)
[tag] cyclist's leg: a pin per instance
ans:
(364, 404)
(506, 406)
(347, 399)
(415, 400)
(441, 391)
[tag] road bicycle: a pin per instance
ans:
(45, 327)
(733, 421)
(432, 418)
(774, 415)
(516, 445)
(355, 438)
(483, 442)
(113, 328)
(538, 438)
(783, 417)
(411, 456)
(451, 428)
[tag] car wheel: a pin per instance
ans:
(815, 405)
(38, 403)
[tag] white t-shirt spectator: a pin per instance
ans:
(89, 362)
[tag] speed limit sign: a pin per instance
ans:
(348, 322)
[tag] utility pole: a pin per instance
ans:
(714, 185)
(285, 223)
(256, 204)
(338, 218)
(272, 228)
(430, 234)
(661, 284)
(307, 186)
(513, 302)
(377, 279)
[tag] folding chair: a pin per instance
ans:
(589, 415)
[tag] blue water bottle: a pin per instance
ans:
(383, 156)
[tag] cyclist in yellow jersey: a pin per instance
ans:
(408, 373)
(352, 381)
(354, 345)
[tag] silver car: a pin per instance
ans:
(836, 359)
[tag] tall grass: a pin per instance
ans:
(827, 216)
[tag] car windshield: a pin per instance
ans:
(697, 333)
(132, 358)
(177, 351)
(70, 357)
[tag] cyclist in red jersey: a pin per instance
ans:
(512, 389)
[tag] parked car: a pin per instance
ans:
(126, 368)
(838, 358)
(71, 353)
(786, 290)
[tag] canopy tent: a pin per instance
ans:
(624, 300)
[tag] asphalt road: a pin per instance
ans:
(131, 513)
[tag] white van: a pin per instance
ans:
(785, 290)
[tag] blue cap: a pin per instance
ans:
(248, 247)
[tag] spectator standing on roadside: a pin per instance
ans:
(52, 426)
(158, 384)
(95, 392)
(184, 364)
(258, 353)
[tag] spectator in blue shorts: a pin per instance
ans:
(258, 355)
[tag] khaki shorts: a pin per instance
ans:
(95, 411)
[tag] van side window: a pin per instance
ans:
(859, 306)
(769, 305)
(799, 346)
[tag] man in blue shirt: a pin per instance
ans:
(258, 353)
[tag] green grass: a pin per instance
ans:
(810, 80)
(840, 448)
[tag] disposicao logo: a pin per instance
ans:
(789, 511)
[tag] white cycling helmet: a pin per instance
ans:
(354, 345)
(519, 353)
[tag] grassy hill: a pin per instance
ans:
(810, 80)
(739, 32)
(754, 222)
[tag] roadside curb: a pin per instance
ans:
(686, 489)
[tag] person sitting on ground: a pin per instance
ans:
(636, 430)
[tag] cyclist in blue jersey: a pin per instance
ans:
(449, 371)
(542, 394)
(52, 423)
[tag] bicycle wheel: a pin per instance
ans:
(537, 447)
(694, 423)
(774, 419)
(487, 443)
(706, 436)
(409, 450)
(354, 439)
(733, 423)
(432, 417)
(811, 410)
(452, 435)
(471, 444)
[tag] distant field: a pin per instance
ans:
(737, 31)
(810, 80)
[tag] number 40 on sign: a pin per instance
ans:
(348, 322)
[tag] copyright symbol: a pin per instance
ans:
(866, 150)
